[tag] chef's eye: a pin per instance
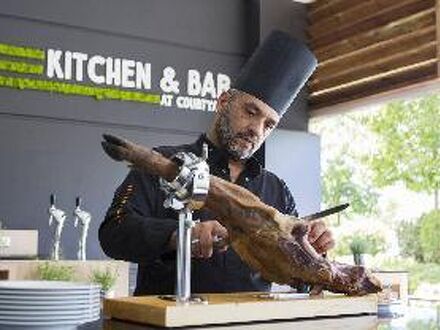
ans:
(251, 112)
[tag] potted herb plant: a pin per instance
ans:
(106, 279)
(358, 248)
(53, 271)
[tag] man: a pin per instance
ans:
(138, 228)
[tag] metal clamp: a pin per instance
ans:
(191, 185)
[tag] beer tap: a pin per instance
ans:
(83, 218)
(58, 216)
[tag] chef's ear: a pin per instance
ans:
(225, 98)
(222, 101)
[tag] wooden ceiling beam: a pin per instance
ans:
(413, 90)
(357, 43)
(331, 8)
(379, 67)
(379, 50)
(401, 79)
(369, 49)
(356, 12)
(437, 12)
(380, 36)
(399, 10)
(318, 5)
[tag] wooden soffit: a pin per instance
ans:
(371, 48)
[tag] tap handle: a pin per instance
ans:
(52, 199)
(78, 201)
(205, 152)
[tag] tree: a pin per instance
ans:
(409, 145)
(429, 229)
(340, 186)
(408, 233)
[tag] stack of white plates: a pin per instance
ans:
(47, 304)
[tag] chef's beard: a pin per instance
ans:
(227, 137)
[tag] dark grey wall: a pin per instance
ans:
(49, 143)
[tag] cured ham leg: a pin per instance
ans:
(268, 241)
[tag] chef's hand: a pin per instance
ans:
(320, 237)
(204, 233)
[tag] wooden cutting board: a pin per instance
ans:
(234, 307)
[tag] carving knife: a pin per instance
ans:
(325, 213)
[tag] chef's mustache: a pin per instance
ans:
(248, 135)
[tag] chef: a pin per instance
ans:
(139, 229)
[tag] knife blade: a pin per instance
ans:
(326, 212)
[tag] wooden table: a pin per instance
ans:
(235, 307)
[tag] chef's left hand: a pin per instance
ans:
(320, 237)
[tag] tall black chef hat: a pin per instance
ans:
(277, 71)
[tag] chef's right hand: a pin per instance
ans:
(204, 234)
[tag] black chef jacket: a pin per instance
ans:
(137, 228)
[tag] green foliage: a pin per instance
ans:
(409, 139)
(345, 178)
(339, 187)
(106, 278)
(408, 234)
(360, 243)
(422, 324)
(429, 236)
(53, 271)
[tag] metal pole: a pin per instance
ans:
(187, 254)
(184, 256)
(180, 256)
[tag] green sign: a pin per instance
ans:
(24, 68)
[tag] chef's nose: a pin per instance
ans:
(258, 128)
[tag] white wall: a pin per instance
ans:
(295, 157)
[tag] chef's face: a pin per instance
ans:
(243, 123)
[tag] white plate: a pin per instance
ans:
(80, 318)
(46, 285)
(85, 311)
(66, 295)
(50, 298)
(43, 324)
(84, 318)
(31, 305)
(72, 293)
(49, 307)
